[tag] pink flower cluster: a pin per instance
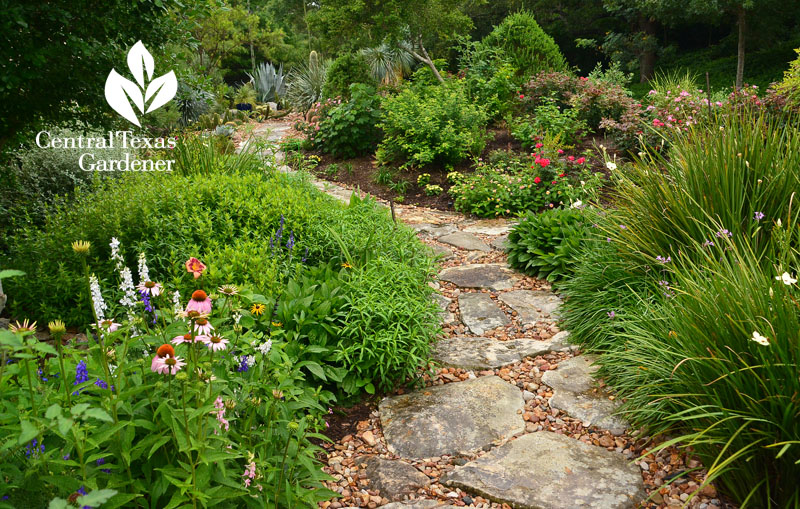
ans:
(220, 415)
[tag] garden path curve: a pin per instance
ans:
(493, 428)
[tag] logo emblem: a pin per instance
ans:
(146, 94)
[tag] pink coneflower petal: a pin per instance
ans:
(203, 327)
(154, 289)
(215, 343)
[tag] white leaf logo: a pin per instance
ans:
(121, 92)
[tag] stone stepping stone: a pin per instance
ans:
(492, 227)
(463, 240)
(500, 243)
(546, 470)
(414, 504)
(532, 306)
(487, 353)
(574, 392)
(395, 479)
(455, 418)
(442, 252)
(434, 230)
(480, 313)
(490, 276)
(444, 304)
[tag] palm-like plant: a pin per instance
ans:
(389, 63)
(305, 83)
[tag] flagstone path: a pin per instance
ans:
(514, 419)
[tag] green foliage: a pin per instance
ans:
(269, 83)
(350, 129)
(246, 94)
(509, 186)
(685, 288)
(549, 119)
(347, 69)
(790, 85)
(305, 83)
(526, 46)
(97, 416)
(546, 245)
(52, 56)
(489, 79)
(431, 125)
(389, 63)
(207, 154)
(35, 178)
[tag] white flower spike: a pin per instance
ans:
(758, 338)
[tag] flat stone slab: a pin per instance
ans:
(490, 227)
(414, 504)
(486, 353)
(480, 313)
(455, 418)
(545, 470)
(442, 252)
(444, 304)
(434, 230)
(575, 392)
(532, 306)
(500, 243)
(464, 240)
(491, 276)
(395, 479)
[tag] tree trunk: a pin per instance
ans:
(426, 59)
(740, 14)
(647, 59)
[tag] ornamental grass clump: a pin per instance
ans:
(689, 290)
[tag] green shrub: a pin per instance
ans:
(34, 178)
(594, 100)
(350, 130)
(546, 245)
(509, 184)
(347, 69)
(434, 124)
(489, 79)
(527, 47)
(304, 84)
(548, 119)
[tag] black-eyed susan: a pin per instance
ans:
(347, 265)
(276, 324)
(258, 309)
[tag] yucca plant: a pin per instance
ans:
(270, 83)
(305, 83)
(388, 64)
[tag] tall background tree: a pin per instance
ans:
(55, 55)
(423, 24)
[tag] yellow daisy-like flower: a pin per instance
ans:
(258, 309)
(347, 265)
(81, 246)
(276, 324)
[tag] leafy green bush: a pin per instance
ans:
(434, 124)
(347, 69)
(696, 279)
(509, 184)
(546, 245)
(489, 79)
(548, 119)
(526, 46)
(350, 129)
(34, 178)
